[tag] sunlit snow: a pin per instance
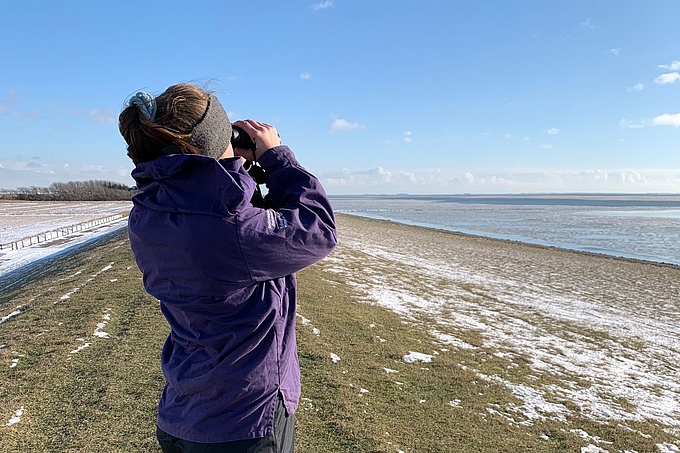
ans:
(538, 312)
(16, 418)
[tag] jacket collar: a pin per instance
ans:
(190, 183)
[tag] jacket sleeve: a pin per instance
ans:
(298, 231)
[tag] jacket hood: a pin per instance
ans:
(190, 183)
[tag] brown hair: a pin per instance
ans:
(179, 109)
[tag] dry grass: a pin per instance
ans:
(103, 398)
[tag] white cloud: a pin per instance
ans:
(629, 124)
(365, 178)
(18, 173)
(6, 103)
(8, 106)
(526, 138)
(99, 116)
(615, 51)
(665, 79)
(340, 125)
(637, 87)
(553, 131)
(305, 75)
(546, 146)
(435, 180)
(587, 23)
(322, 5)
(673, 66)
(408, 138)
(667, 119)
(508, 136)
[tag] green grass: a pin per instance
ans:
(103, 398)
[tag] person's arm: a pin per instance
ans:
(300, 230)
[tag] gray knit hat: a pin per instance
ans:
(212, 134)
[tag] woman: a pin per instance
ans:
(222, 269)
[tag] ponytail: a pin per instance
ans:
(154, 127)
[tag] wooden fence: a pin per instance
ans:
(60, 232)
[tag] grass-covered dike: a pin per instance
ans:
(79, 363)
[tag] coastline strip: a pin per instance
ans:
(529, 349)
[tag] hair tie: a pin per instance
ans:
(146, 104)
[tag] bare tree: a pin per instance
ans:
(93, 190)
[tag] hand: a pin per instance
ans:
(263, 135)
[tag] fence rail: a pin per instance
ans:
(60, 232)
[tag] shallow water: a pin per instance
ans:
(645, 227)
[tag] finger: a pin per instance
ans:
(247, 126)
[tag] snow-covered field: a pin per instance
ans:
(22, 219)
(19, 219)
(598, 334)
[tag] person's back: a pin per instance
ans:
(223, 272)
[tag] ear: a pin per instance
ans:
(229, 152)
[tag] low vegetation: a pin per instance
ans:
(94, 190)
(359, 394)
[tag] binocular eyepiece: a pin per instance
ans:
(240, 139)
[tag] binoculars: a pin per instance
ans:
(239, 139)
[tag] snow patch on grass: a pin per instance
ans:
(413, 357)
(80, 348)
(16, 418)
(99, 332)
(16, 312)
(67, 295)
(561, 321)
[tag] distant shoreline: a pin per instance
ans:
(660, 200)
(512, 241)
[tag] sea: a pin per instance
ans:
(644, 227)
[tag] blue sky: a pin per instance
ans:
(436, 96)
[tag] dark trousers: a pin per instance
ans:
(283, 440)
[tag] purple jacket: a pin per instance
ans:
(223, 272)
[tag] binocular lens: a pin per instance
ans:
(239, 139)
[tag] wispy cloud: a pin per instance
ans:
(673, 66)
(341, 125)
(322, 5)
(553, 131)
(667, 119)
(8, 101)
(436, 180)
(637, 87)
(98, 116)
(665, 79)
(305, 75)
(508, 135)
(9, 106)
(629, 124)
(615, 52)
(19, 173)
(546, 146)
(587, 23)
(526, 138)
(408, 138)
